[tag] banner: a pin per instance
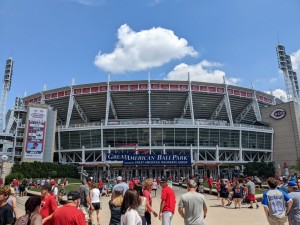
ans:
(130, 159)
(35, 130)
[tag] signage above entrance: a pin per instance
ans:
(130, 159)
(278, 114)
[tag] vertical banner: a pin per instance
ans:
(36, 131)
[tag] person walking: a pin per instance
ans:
(48, 204)
(120, 183)
(224, 193)
(13, 202)
(6, 211)
(147, 194)
(85, 200)
(154, 187)
(274, 202)
(168, 202)
(115, 207)
(32, 212)
(95, 195)
(250, 193)
(192, 206)
(129, 214)
(69, 213)
(294, 214)
(238, 194)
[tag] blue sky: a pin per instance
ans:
(53, 41)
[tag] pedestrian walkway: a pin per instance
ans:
(216, 214)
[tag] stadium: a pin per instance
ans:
(154, 128)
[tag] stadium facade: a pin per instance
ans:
(147, 128)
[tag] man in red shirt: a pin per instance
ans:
(210, 184)
(69, 214)
(48, 204)
(100, 186)
(168, 202)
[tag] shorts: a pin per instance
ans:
(97, 205)
(279, 221)
(251, 197)
(224, 195)
(148, 217)
(85, 211)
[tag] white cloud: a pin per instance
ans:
(142, 50)
(204, 71)
(278, 93)
(295, 57)
(273, 80)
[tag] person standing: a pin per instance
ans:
(224, 193)
(251, 193)
(238, 194)
(154, 187)
(100, 185)
(129, 214)
(13, 202)
(120, 183)
(48, 204)
(274, 201)
(168, 202)
(192, 206)
(32, 209)
(95, 199)
(69, 213)
(210, 184)
(6, 211)
(85, 201)
(284, 186)
(115, 207)
(294, 214)
(147, 194)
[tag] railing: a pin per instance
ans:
(218, 123)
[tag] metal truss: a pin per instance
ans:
(11, 121)
(228, 107)
(107, 101)
(186, 104)
(81, 156)
(113, 109)
(218, 109)
(244, 113)
(229, 156)
(257, 156)
(256, 108)
(207, 155)
(80, 111)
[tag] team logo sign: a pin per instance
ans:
(278, 114)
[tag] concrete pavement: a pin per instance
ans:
(216, 214)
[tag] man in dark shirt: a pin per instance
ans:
(6, 211)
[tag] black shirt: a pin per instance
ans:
(6, 214)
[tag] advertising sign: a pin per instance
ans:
(278, 114)
(35, 130)
(130, 159)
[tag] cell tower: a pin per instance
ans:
(6, 87)
(290, 76)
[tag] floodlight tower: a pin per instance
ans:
(6, 87)
(290, 77)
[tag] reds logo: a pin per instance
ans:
(278, 114)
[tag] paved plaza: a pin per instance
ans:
(216, 214)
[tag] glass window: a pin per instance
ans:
(224, 138)
(156, 135)
(203, 137)
(234, 138)
(64, 140)
(180, 137)
(143, 134)
(132, 136)
(168, 137)
(108, 138)
(191, 137)
(120, 137)
(252, 140)
(268, 141)
(260, 140)
(96, 138)
(85, 136)
(245, 139)
(75, 140)
(214, 137)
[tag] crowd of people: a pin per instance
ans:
(131, 202)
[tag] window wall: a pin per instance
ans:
(222, 138)
(80, 139)
(256, 140)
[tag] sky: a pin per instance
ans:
(54, 41)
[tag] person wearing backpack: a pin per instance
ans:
(54, 190)
(32, 209)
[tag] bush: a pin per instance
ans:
(260, 169)
(39, 170)
(9, 178)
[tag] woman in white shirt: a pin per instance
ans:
(129, 215)
(95, 200)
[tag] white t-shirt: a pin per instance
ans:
(95, 195)
(131, 217)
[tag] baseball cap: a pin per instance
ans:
(119, 190)
(53, 182)
(292, 184)
(73, 195)
(119, 178)
(47, 187)
(164, 180)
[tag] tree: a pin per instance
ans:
(260, 169)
